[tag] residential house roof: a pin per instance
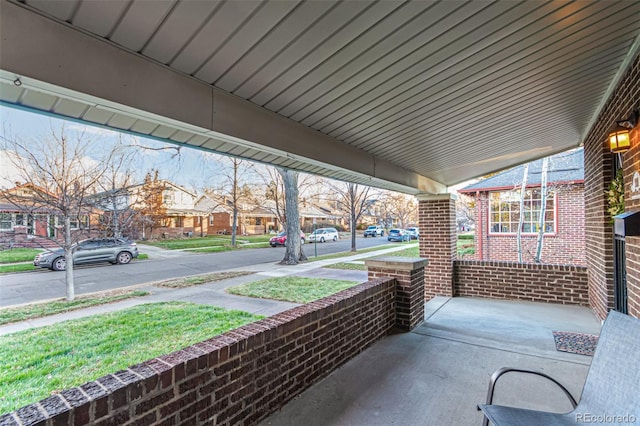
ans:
(567, 168)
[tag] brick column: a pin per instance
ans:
(437, 221)
(409, 275)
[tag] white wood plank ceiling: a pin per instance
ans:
(449, 90)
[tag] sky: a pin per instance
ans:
(191, 169)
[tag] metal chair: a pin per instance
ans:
(611, 393)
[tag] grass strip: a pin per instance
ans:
(346, 253)
(212, 249)
(37, 310)
(200, 279)
(202, 242)
(20, 267)
(43, 361)
(413, 251)
(18, 255)
(291, 288)
(348, 266)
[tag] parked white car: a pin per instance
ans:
(413, 232)
(324, 234)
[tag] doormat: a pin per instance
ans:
(575, 343)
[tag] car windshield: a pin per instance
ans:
(282, 234)
(394, 231)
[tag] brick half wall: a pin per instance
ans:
(564, 284)
(239, 377)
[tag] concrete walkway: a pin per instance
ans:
(438, 373)
(214, 293)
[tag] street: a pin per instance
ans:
(16, 289)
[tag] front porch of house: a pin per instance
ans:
(362, 356)
(340, 360)
(438, 373)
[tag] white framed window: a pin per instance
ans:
(6, 221)
(211, 219)
(504, 212)
(78, 222)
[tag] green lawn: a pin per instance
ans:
(348, 266)
(200, 279)
(208, 242)
(19, 267)
(291, 288)
(18, 255)
(37, 310)
(308, 248)
(39, 362)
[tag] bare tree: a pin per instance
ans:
(233, 187)
(276, 192)
(62, 175)
(543, 209)
(465, 210)
(523, 189)
(115, 196)
(352, 198)
(293, 253)
(401, 208)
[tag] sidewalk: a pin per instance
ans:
(214, 293)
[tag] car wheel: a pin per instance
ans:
(322, 239)
(335, 239)
(382, 234)
(59, 264)
(124, 258)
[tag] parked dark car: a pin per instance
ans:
(398, 235)
(281, 238)
(114, 250)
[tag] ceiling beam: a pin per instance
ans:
(80, 66)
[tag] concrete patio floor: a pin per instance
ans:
(438, 373)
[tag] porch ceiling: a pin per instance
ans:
(407, 95)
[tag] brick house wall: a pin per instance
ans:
(563, 284)
(239, 377)
(221, 224)
(566, 246)
(598, 175)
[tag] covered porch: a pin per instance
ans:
(437, 373)
(490, 85)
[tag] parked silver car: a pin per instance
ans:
(114, 250)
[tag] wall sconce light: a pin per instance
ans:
(619, 138)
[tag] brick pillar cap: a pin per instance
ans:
(397, 262)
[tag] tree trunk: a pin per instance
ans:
(293, 253)
(543, 209)
(234, 196)
(523, 189)
(68, 257)
(352, 225)
(234, 227)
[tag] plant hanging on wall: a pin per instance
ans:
(615, 195)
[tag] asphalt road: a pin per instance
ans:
(44, 284)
